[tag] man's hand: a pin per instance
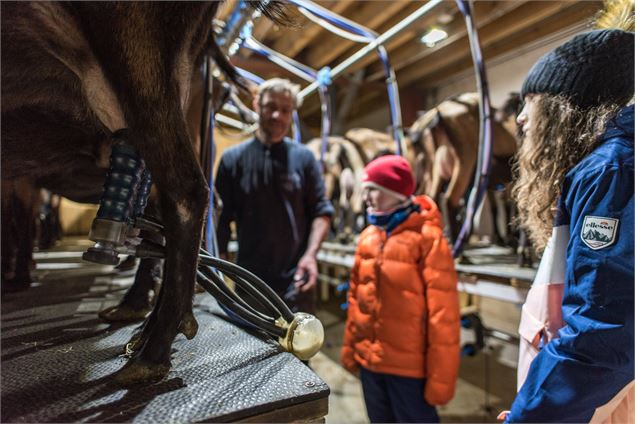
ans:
(305, 277)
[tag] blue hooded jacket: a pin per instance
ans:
(592, 360)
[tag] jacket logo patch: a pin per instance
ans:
(599, 232)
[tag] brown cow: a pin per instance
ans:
(447, 138)
(75, 73)
(343, 165)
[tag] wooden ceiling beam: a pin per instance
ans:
(529, 16)
(312, 107)
(403, 37)
(567, 17)
(292, 44)
(262, 29)
(485, 13)
(370, 14)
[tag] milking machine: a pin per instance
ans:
(116, 230)
(119, 220)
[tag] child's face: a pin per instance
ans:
(378, 200)
(526, 117)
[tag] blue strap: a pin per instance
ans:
(324, 76)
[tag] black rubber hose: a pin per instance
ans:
(244, 314)
(220, 283)
(231, 268)
(250, 289)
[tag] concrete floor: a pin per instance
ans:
(486, 385)
(486, 382)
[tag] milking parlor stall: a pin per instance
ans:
(116, 305)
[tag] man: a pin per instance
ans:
(575, 196)
(273, 189)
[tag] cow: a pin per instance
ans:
(342, 169)
(447, 139)
(75, 73)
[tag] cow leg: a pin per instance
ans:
(183, 197)
(9, 235)
(502, 218)
(20, 200)
(137, 302)
(451, 200)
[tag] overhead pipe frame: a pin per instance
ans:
(371, 38)
(482, 169)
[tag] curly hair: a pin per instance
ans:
(561, 136)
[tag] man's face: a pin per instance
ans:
(276, 112)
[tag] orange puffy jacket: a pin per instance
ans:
(403, 307)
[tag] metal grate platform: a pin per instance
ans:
(57, 359)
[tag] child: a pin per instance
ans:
(575, 196)
(402, 331)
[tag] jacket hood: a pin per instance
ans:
(621, 125)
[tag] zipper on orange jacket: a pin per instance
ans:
(378, 262)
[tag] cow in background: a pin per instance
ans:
(446, 140)
(342, 168)
(20, 201)
(73, 74)
(30, 218)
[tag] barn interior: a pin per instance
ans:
(51, 329)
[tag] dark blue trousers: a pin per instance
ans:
(394, 399)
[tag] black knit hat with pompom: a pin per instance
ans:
(591, 69)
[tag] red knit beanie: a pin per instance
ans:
(391, 174)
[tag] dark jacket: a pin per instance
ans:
(273, 194)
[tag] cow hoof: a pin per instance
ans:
(127, 264)
(123, 313)
(189, 326)
(137, 371)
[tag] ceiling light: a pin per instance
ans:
(433, 36)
